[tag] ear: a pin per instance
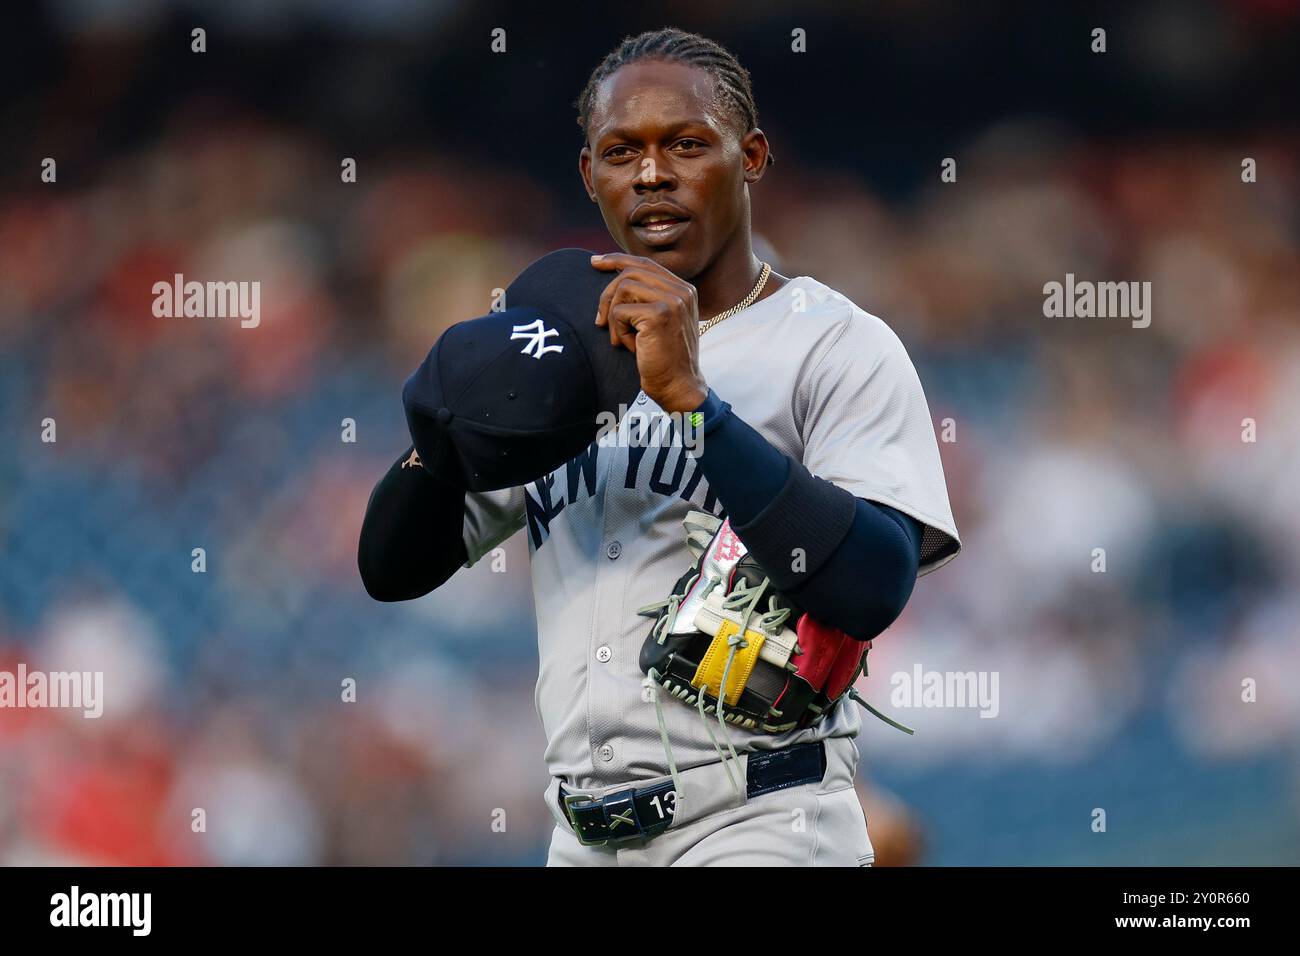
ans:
(584, 170)
(757, 154)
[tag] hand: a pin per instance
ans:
(655, 315)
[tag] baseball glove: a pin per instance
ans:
(724, 626)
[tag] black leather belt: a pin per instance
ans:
(640, 813)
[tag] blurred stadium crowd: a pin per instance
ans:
(1120, 689)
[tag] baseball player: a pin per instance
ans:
(814, 443)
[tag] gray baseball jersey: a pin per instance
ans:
(824, 382)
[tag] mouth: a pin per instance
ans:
(661, 229)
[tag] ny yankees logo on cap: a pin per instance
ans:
(537, 334)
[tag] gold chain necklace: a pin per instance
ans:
(745, 303)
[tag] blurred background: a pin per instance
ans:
(1119, 690)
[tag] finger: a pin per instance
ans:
(652, 286)
(632, 289)
(618, 260)
(606, 299)
(611, 293)
(631, 318)
(623, 318)
(645, 269)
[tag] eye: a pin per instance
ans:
(689, 144)
(617, 152)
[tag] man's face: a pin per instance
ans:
(662, 147)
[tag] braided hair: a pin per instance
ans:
(677, 46)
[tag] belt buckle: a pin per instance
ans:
(571, 800)
(617, 809)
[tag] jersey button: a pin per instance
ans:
(614, 550)
(603, 654)
(605, 753)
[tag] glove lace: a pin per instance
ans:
(743, 598)
(651, 683)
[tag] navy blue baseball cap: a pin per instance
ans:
(506, 398)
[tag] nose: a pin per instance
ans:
(656, 173)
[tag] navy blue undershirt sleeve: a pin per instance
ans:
(749, 471)
(866, 583)
(849, 562)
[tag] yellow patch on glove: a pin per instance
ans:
(708, 676)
